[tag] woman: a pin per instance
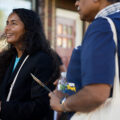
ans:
(28, 52)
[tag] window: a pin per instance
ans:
(65, 35)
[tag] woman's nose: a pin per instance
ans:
(7, 27)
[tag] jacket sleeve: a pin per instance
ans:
(37, 107)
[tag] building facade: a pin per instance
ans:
(60, 20)
(62, 25)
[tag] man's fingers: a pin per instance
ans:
(50, 94)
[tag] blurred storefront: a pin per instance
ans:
(62, 25)
(60, 19)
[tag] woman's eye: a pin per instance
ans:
(14, 23)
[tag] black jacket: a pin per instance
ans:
(29, 101)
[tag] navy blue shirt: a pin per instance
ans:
(94, 61)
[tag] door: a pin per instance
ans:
(65, 38)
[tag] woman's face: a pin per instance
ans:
(14, 29)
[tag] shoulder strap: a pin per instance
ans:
(116, 86)
(13, 83)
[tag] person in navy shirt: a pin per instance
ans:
(92, 65)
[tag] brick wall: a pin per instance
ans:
(46, 10)
(49, 35)
(66, 4)
(41, 9)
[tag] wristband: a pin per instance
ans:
(62, 103)
(62, 100)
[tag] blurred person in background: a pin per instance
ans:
(62, 67)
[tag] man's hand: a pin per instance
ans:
(55, 98)
(59, 94)
(55, 102)
(85, 100)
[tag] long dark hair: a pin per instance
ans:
(33, 40)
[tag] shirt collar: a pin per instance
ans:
(111, 9)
